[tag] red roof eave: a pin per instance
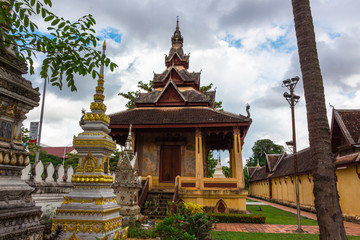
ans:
(114, 126)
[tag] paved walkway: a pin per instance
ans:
(350, 228)
(264, 228)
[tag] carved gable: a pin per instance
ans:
(170, 96)
(175, 77)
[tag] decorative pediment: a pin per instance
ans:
(175, 77)
(90, 164)
(345, 128)
(170, 95)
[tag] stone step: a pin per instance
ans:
(163, 198)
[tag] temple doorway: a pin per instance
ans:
(170, 163)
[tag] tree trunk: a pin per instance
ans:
(325, 191)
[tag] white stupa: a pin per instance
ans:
(219, 171)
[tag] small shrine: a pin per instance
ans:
(127, 184)
(173, 129)
(90, 211)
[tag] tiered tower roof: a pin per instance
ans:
(175, 101)
(176, 86)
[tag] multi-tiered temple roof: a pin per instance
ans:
(176, 99)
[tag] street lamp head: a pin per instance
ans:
(286, 82)
(295, 79)
(296, 97)
(290, 143)
(287, 95)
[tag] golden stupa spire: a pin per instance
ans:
(98, 108)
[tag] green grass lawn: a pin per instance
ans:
(277, 216)
(249, 200)
(268, 236)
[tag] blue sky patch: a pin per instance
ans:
(283, 43)
(333, 35)
(111, 33)
(350, 94)
(236, 43)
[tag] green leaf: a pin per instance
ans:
(38, 6)
(17, 6)
(93, 74)
(49, 18)
(61, 25)
(32, 28)
(16, 24)
(32, 2)
(56, 21)
(22, 13)
(48, 2)
(43, 13)
(107, 61)
(26, 21)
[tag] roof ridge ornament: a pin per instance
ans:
(177, 39)
(247, 110)
(177, 22)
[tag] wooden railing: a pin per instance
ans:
(144, 192)
(175, 196)
(209, 183)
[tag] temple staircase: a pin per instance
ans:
(157, 203)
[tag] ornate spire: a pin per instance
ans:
(92, 180)
(128, 144)
(98, 108)
(177, 39)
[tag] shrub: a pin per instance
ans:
(186, 224)
(236, 218)
(194, 208)
(135, 230)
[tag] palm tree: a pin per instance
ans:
(326, 196)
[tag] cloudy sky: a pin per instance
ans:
(244, 47)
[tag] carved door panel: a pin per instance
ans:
(170, 163)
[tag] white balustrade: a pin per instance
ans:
(38, 170)
(49, 172)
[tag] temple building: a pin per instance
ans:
(276, 180)
(175, 126)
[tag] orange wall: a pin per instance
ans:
(283, 190)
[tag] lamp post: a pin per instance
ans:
(41, 120)
(293, 99)
(65, 153)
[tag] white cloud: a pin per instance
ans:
(251, 73)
